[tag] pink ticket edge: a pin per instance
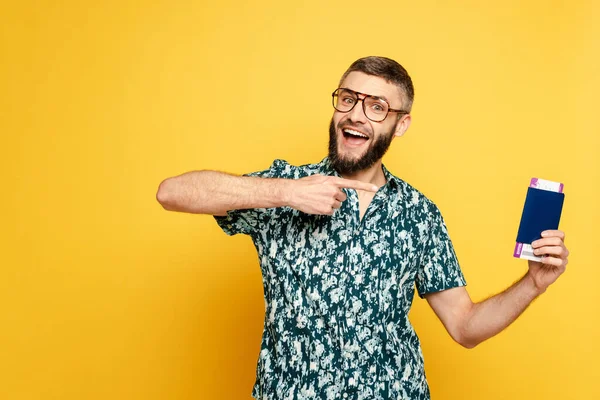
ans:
(518, 249)
(533, 182)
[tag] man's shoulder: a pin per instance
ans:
(411, 196)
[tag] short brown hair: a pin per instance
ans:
(387, 69)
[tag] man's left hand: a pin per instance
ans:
(551, 247)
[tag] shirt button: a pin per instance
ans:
(345, 395)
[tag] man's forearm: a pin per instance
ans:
(491, 316)
(212, 192)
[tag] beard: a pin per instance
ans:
(348, 166)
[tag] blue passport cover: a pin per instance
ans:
(541, 212)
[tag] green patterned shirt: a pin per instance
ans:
(338, 291)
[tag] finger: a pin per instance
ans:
(337, 204)
(552, 241)
(340, 195)
(554, 233)
(352, 184)
(551, 250)
(552, 261)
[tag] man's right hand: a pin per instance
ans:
(215, 193)
(320, 194)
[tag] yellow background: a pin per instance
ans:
(104, 295)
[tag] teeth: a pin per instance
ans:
(356, 133)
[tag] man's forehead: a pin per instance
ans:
(373, 85)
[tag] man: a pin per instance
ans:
(342, 245)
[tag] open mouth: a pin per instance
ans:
(354, 137)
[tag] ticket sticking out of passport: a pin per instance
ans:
(542, 210)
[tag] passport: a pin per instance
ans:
(542, 211)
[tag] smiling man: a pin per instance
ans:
(342, 245)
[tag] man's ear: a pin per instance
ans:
(402, 125)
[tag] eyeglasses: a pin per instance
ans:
(375, 108)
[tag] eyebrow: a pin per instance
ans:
(372, 95)
(382, 97)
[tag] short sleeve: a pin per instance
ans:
(438, 269)
(250, 221)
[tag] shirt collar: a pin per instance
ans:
(327, 169)
(391, 179)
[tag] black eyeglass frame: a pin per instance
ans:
(335, 92)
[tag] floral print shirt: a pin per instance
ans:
(338, 290)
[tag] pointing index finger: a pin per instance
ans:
(353, 184)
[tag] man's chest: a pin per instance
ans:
(343, 265)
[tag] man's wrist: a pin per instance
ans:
(283, 191)
(532, 285)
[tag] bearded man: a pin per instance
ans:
(342, 245)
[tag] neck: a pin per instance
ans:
(373, 174)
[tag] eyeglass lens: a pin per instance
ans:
(375, 109)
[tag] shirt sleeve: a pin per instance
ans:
(252, 220)
(438, 269)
